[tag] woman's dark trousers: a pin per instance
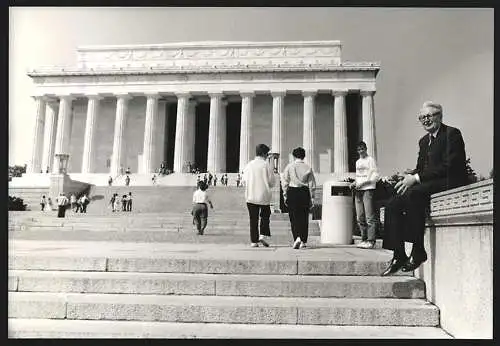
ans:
(299, 203)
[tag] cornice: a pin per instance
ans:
(75, 71)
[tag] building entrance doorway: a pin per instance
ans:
(202, 119)
(233, 129)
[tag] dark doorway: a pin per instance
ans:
(353, 114)
(233, 128)
(170, 125)
(202, 119)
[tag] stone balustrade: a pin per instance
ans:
(459, 271)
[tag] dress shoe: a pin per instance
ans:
(394, 266)
(414, 262)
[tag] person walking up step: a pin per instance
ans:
(200, 209)
(43, 202)
(129, 202)
(62, 201)
(259, 179)
(298, 185)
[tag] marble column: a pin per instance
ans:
(36, 154)
(120, 123)
(340, 155)
(49, 137)
(160, 134)
(90, 130)
(277, 122)
(148, 151)
(180, 149)
(223, 136)
(214, 141)
(246, 129)
(63, 136)
(308, 131)
(369, 123)
(191, 131)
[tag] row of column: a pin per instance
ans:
(50, 139)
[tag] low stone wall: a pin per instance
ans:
(459, 271)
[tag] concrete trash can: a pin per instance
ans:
(336, 218)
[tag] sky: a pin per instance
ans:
(439, 54)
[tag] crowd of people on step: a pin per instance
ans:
(75, 204)
(212, 179)
(123, 203)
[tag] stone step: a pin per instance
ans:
(212, 236)
(155, 222)
(16, 216)
(224, 309)
(195, 258)
(49, 328)
(216, 284)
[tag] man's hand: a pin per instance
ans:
(404, 184)
(352, 185)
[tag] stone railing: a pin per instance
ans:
(459, 271)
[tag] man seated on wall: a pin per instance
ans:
(440, 166)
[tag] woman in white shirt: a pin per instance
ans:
(298, 185)
(200, 209)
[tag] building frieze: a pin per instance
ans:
(211, 54)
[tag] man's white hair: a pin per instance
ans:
(431, 104)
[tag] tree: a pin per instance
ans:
(17, 171)
(16, 204)
(471, 175)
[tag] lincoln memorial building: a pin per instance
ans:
(207, 103)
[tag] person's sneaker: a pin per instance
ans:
(302, 245)
(362, 244)
(264, 240)
(297, 243)
(254, 245)
(368, 245)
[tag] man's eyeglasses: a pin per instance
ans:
(425, 117)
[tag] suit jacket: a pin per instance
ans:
(441, 165)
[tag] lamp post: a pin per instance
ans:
(274, 161)
(60, 179)
(274, 157)
(62, 160)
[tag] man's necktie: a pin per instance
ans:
(431, 139)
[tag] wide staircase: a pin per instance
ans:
(31, 195)
(147, 274)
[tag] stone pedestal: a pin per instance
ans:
(57, 184)
(275, 201)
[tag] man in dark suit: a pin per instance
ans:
(440, 166)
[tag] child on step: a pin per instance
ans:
(200, 209)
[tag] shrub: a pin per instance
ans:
(16, 204)
(471, 175)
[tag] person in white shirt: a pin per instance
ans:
(298, 185)
(43, 202)
(259, 179)
(364, 190)
(84, 201)
(62, 202)
(72, 200)
(200, 209)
